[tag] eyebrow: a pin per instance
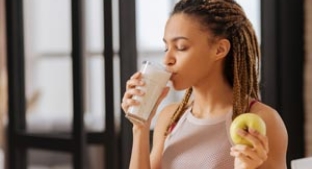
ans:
(176, 38)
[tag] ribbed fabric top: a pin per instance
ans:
(199, 144)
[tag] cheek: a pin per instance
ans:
(182, 81)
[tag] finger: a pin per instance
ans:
(246, 151)
(128, 99)
(124, 106)
(136, 75)
(243, 162)
(263, 139)
(239, 154)
(132, 83)
(254, 140)
(246, 156)
(236, 153)
(134, 92)
(261, 144)
(134, 80)
(256, 143)
(128, 103)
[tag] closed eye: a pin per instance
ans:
(181, 48)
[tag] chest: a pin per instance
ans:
(198, 146)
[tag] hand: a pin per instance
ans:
(250, 157)
(133, 89)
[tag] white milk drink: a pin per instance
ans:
(155, 77)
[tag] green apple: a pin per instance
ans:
(246, 121)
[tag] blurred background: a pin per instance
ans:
(64, 64)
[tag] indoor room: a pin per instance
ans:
(65, 66)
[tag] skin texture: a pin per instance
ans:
(196, 60)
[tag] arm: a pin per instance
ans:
(277, 138)
(140, 157)
(159, 135)
(140, 148)
(141, 132)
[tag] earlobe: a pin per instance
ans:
(223, 48)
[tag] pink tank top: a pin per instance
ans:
(199, 144)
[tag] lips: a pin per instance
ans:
(172, 73)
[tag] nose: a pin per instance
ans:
(169, 59)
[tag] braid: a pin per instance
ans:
(179, 111)
(246, 56)
(226, 19)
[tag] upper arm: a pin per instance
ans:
(159, 135)
(277, 137)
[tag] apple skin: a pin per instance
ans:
(246, 121)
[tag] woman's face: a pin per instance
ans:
(190, 51)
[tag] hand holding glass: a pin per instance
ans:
(155, 77)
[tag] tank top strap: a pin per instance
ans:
(229, 119)
(181, 120)
(252, 103)
(173, 125)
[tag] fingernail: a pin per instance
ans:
(253, 130)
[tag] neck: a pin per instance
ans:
(212, 99)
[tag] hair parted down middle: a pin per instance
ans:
(226, 19)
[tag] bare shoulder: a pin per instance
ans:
(268, 114)
(164, 119)
(276, 133)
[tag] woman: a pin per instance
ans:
(212, 51)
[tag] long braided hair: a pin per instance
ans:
(226, 19)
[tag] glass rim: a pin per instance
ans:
(157, 64)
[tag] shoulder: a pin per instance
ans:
(271, 117)
(164, 118)
(276, 133)
(268, 114)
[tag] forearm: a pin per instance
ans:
(140, 156)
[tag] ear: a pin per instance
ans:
(223, 48)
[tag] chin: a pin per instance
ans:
(179, 87)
